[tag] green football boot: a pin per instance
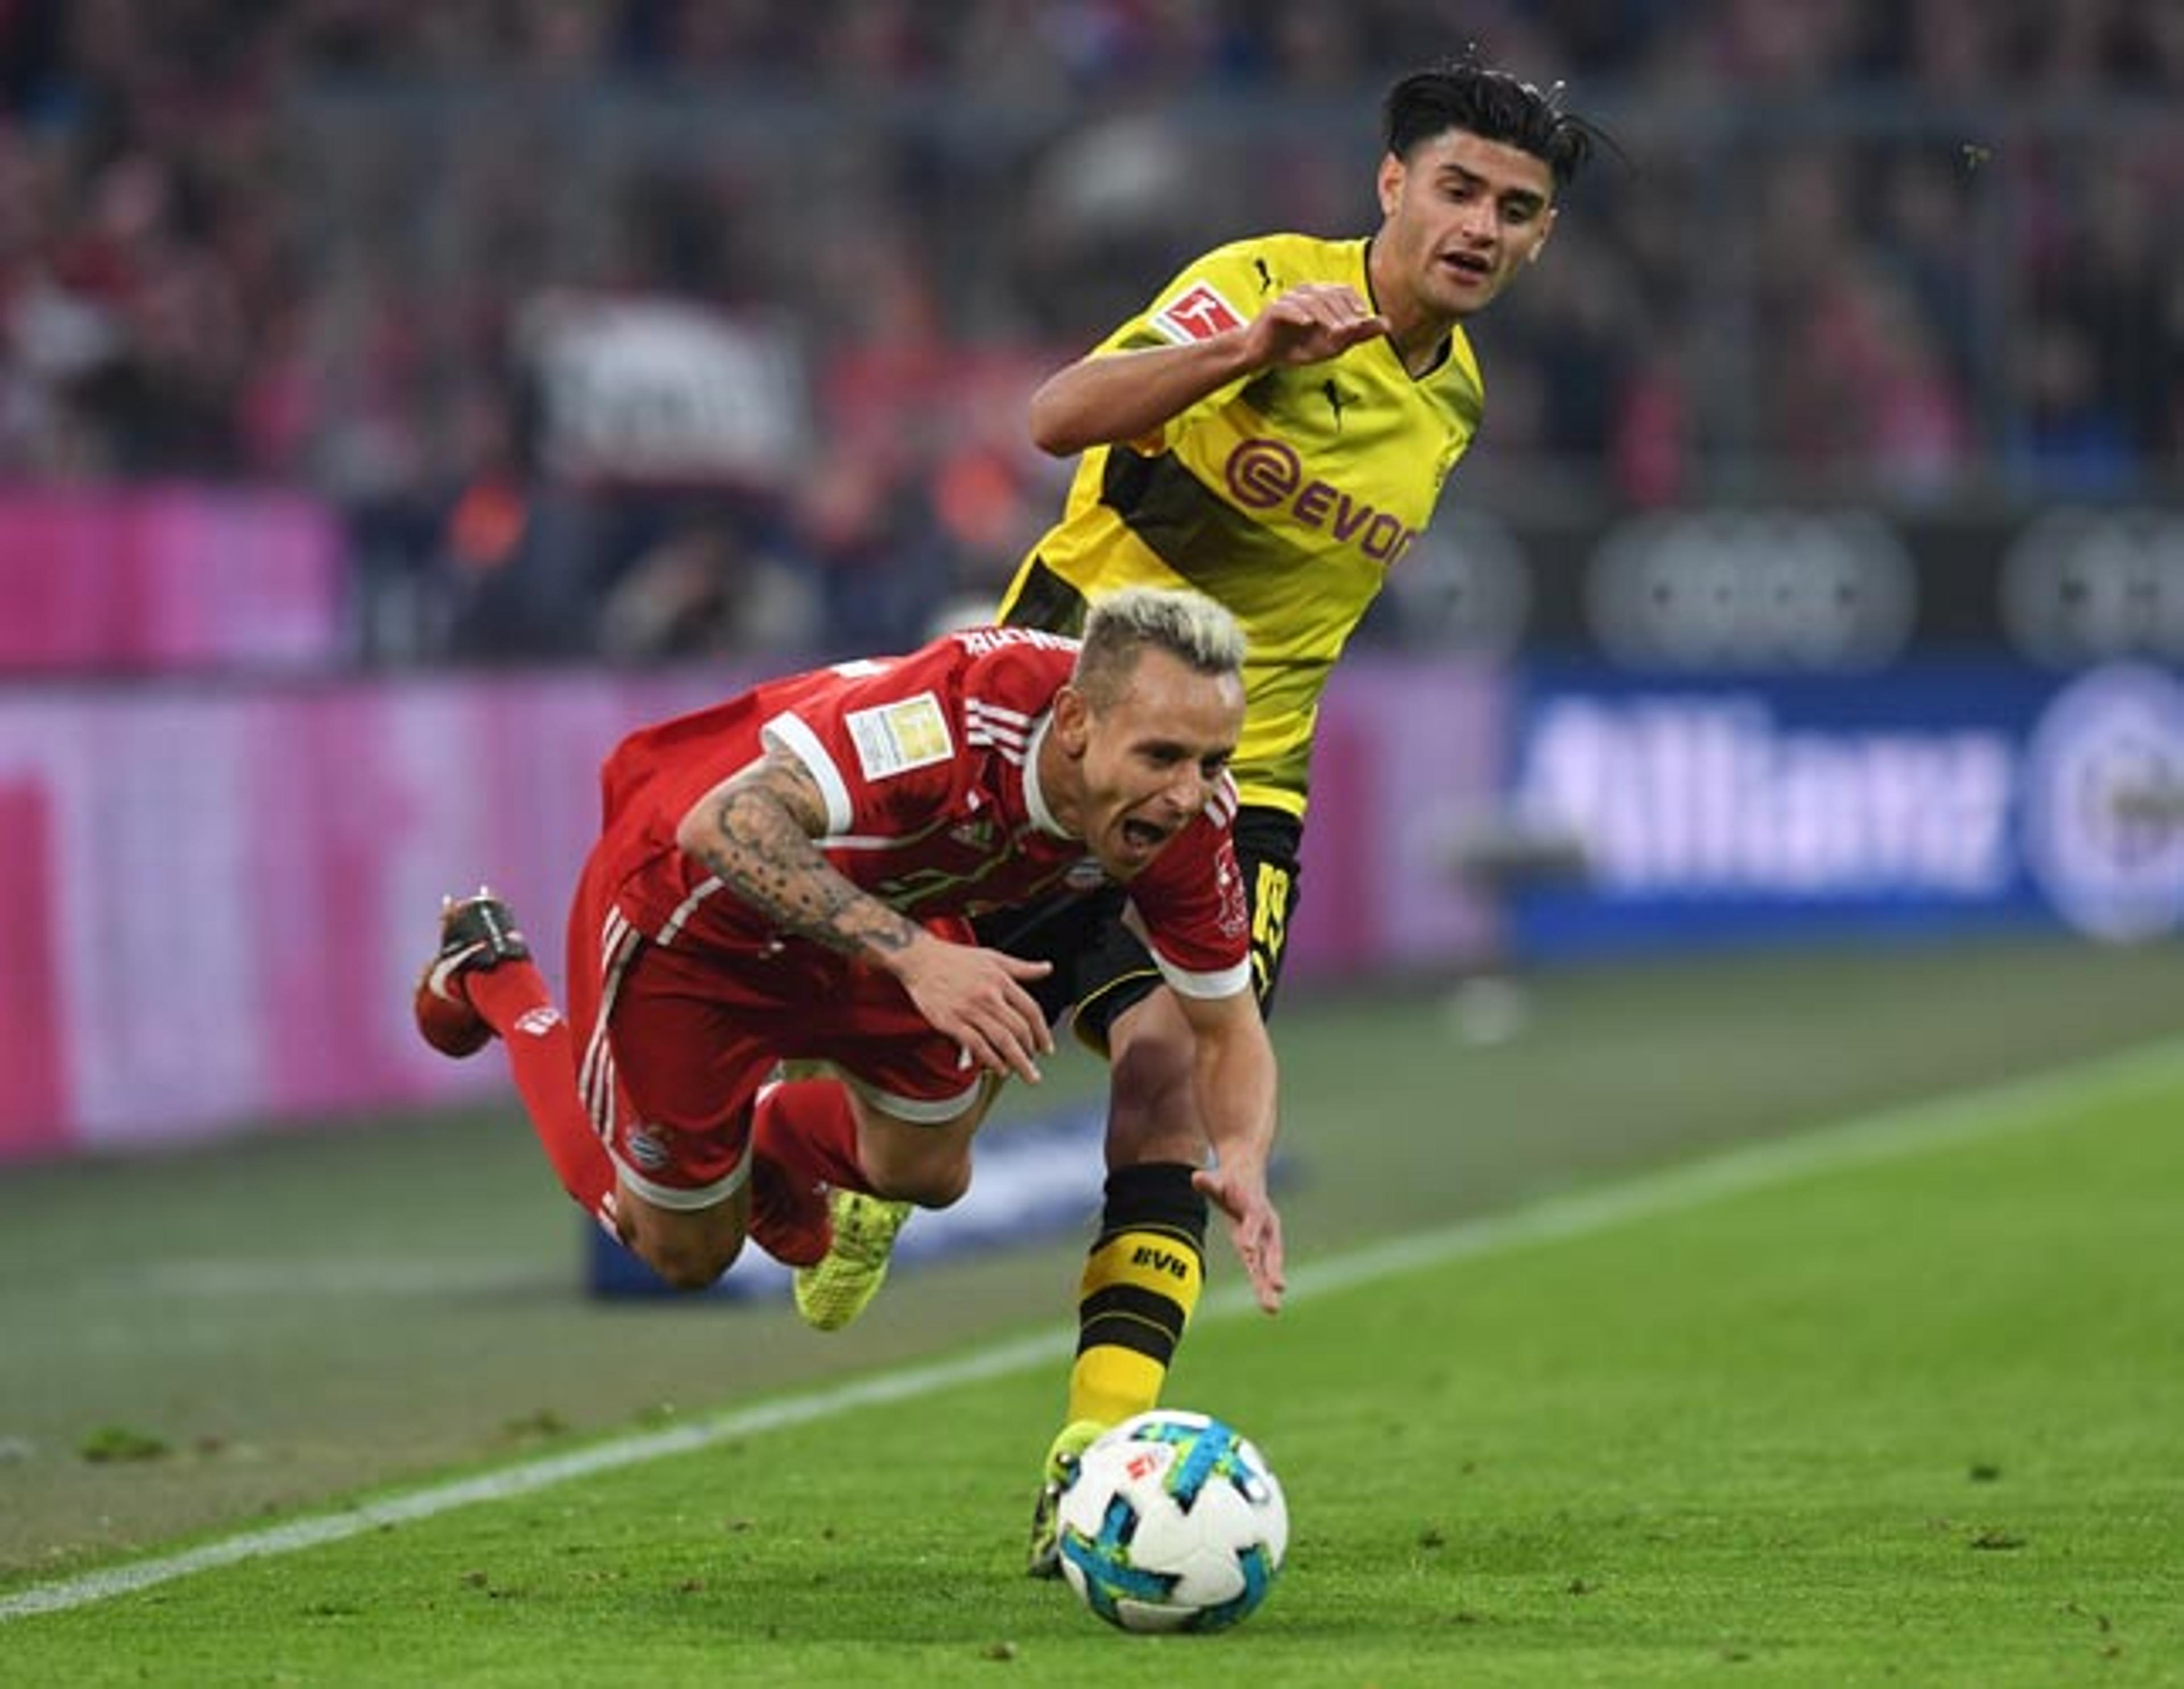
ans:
(832, 1293)
(1043, 1557)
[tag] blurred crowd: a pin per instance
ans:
(1900, 250)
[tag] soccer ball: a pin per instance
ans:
(1173, 1522)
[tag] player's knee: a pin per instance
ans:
(936, 1187)
(1151, 1054)
(692, 1263)
(1152, 1107)
(1152, 1077)
(931, 1181)
(945, 1186)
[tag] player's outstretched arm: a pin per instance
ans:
(1236, 1082)
(1111, 398)
(756, 831)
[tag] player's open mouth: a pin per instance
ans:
(1469, 264)
(1143, 835)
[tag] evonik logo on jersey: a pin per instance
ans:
(1197, 313)
(1268, 474)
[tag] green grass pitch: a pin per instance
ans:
(1882, 1394)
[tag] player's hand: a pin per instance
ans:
(1310, 324)
(977, 997)
(1254, 1228)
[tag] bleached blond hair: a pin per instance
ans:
(1188, 626)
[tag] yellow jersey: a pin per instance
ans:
(1287, 495)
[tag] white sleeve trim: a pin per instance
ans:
(1228, 981)
(789, 731)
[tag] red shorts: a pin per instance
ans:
(675, 1038)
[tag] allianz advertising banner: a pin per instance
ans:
(1942, 795)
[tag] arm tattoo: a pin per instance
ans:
(760, 842)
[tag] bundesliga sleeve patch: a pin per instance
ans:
(1197, 313)
(893, 738)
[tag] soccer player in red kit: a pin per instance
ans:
(789, 875)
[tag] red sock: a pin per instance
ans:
(542, 1058)
(788, 1215)
(803, 1138)
(807, 1127)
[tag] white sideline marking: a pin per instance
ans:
(1857, 1142)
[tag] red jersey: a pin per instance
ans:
(928, 764)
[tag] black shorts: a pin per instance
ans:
(1100, 967)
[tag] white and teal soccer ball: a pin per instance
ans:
(1174, 1522)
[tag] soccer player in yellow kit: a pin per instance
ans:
(1274, 430)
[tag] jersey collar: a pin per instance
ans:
(1441, 354)
(1034, 799)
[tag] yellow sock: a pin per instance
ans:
(1140, 1284)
